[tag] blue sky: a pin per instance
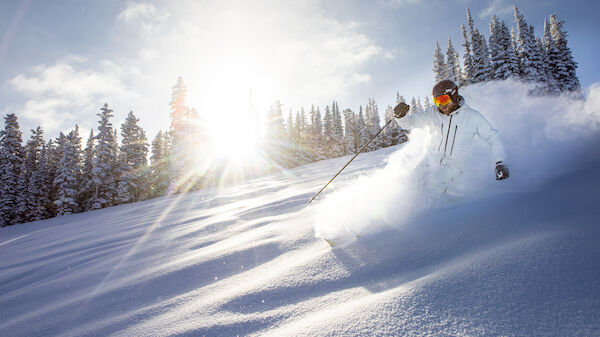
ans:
(60, 61)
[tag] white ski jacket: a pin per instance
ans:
(452, 135)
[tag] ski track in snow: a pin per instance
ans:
(244, 260)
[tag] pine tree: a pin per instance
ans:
(159, 171)
(86, 189)
(467, 59)
(512, 59)
(565, 69)
(275, 136)
(480, 60)
(373, 124)
(361, 133)
(349, 132)
(133, 159)
(498, 57)
(453, 64)
(52, 160)
(328, 133)
(180, 161)
(11, 161)
(69, 170)
(105, 163)
(318, 139)
(440, 69)
(399, 98)
(414, 107)
(526, 50)
(301, 135)
(289, 128)
(33, 205)
(427, 104)
(551, 60)
(338, 131)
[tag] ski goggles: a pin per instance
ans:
(442, 100)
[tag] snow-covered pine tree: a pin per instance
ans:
(24, 195)
(537, 58)
(179, 160)
(133, 160)
(440, 69)
(86, 188)
(361, 134)
(399, 98)
(328, 133)
(467, 77)
(373, 124)
(548, 85)
(453, 64)
(512, 59)
(319, 139)
(159, 179)
(566, 67)
(526, 50)
(69, 169)
(275, 136)
(289, 128)
(11, 160)
(349, 132)
(419, 105)
(504, 62)
(498, 57)
(44, 191)
(52, 159)
(338, 131)
(427, 103)
(480, 56)
(551, 60)
(301, 131)
(33, 200)
(105, 162)
(414, 107)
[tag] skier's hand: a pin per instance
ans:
(501, 171)
(401, 109)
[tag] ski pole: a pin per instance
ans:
(348, 163)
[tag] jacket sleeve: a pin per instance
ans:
(413, 120)
(486, 131)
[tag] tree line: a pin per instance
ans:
(43, 179)
(546, 61)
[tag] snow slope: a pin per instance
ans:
(517, 258)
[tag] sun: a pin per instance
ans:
(235, 141)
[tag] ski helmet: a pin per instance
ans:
(446, 87)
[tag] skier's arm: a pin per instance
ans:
(486, 131)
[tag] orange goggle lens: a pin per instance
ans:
(442, 100)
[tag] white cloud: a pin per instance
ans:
(139, 11)
(68, 92)
(400, 3)
(143, 16)
(496, 7)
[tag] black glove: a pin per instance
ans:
(401, 109)
(501, 171)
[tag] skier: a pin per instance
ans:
(453, 125)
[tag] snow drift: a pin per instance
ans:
(515, 258)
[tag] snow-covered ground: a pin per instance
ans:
(514, 258)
